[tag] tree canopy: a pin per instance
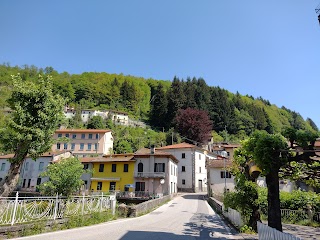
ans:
(29, 129)
(64, 177)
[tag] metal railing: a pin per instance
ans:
(150, 174)
(138, 194)
(29, 209)
(266, 233)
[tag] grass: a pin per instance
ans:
(72, 222)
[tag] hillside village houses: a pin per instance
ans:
(165, 170)
(117, 117)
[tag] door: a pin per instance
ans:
(200, 186)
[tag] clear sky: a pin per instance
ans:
(267, 48)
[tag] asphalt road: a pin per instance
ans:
(185, 217)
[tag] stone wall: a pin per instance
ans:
(147, 206)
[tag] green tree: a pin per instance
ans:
(159, 106)
(96, 122)
(265, 150)
(36, 115)
(64, 177)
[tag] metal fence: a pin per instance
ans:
(298, 215)
(266, 233)
(29, 209)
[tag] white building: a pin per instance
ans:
(192, 173)
(156, 172)
(84, 142)
(31, 169)
(219, 178)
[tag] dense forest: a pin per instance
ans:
(234, 116)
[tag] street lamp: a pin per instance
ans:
(224, 154)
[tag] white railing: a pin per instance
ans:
(29, 209)
(150, 174)
(266, 233)
(234, 216)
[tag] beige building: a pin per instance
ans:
(155, 172)
(83, 142)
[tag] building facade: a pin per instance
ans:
(31, 169)
(156, 172)
(192, 173)
(111, 172)
(83, 142)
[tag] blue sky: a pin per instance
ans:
(261, 48)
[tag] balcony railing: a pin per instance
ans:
(150, 174)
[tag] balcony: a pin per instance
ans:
(149, 174)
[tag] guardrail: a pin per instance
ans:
(29, 209)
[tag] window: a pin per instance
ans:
(183, 182)
(99, 186)
(74, 136)
(85, 166)
(223, 175)
(3, 166)
(41, 164)
(73, 145)
(126, 167)
(97, 136)
(59, 135)
(140, 167)
(101, 167)
(183, 155)
(140, 186)
(39, 181)
(85, 184)
(81, 146)
(199, 169)
(0, 179)
(90, 135)
(89, 146)
(159, 167)
(83, 136)
(29, 183)
(24, 183)
(199, 156)
(183, 169)
(112, 186)
(96, 146)
(65, 146)
(58, 146)
(27, 166)
(114, 168)
(67, 135)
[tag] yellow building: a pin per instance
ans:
(112, 172)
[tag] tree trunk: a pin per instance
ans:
(10, 181)
(254, 218)
(274, 213)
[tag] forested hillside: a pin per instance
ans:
(234, 116)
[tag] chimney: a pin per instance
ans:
(153, 149)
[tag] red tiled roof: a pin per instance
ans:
(217, 163)
(178, 145)
(317, 143)
(145, 152)
(109, 158)
(83, 130)
(46, 154)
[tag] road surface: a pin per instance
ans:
(185, 217)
